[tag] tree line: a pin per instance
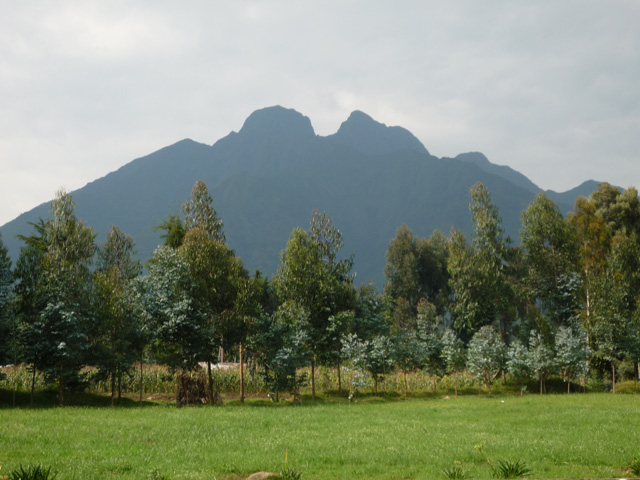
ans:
(564, 302)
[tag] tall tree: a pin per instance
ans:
(181, 330)
(593, 242)
(119, 326)
(31, 297)
(215, 270)
(8, 326)
(479, 273)
(311, 276)
(551, 256)
(416, 268)
(616, 304)
(56, 288)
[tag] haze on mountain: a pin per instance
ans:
(267, 178)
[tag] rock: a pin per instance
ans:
(263, 476)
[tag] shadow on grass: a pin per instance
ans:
(48, 398)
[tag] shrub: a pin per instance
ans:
(455, 472)
(32, 472)
(508, 469)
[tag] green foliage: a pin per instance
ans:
(290, 474)
(199, 213)
(180, 327)
(634, 468)
(551, 253)
(571, 353)
(374, 356)
(32, 472)
(175, 231)
(519, 362)
(509, 469)
(455, 472)
(486, 355)
(541, 357)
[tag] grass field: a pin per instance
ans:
(556, 436)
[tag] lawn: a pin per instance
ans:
(556, 436)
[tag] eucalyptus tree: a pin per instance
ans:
(572, 353)
(593, 243)
(416, 269)
(180, 326)
(31, 297)
(551, 259)
(374, 356)
(281, 348)
(542, 358)
(216, 275)
(486, 355)
(617, 302)
(408, 354)
(429, 334)
(519, 362)
(55, 290)
(454, 355)
(479, 271)
(311, 276)
(119, 334)
(7, 319)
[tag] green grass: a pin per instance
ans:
(556, 436)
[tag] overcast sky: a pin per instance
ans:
(550, 88)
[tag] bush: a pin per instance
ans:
(32, 472)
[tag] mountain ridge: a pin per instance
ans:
(267, 178)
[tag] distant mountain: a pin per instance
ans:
(267, 178)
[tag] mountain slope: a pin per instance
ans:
(267, 178)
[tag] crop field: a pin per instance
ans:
(555, 436)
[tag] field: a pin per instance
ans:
(556, 436)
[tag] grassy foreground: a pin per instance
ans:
(557, 436)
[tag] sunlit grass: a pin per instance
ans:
(556, 436)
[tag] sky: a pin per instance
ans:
(550, 88)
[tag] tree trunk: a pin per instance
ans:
(113, 388)
(339, 377)
(375, 386)
(613, 372)
(61, 392)
(313, 380)
(488, 384)
(33, 384)
(241, 376)
(119, 386)
(455, 384)
(210, 378)
(140, 378)
(406, 386)
(540, 384)
(434, 386)
(504, 377)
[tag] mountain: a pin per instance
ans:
(268, 177)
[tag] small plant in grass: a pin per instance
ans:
(156, 475)
(634, 468)
(32, 472)
(509, 469)
(504, 468)
(456, 472)
(290, 474)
